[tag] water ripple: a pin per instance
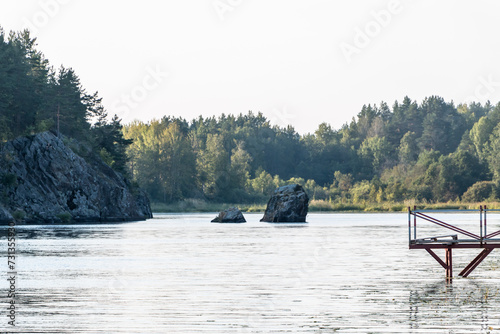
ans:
(180, 274)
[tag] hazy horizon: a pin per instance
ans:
(298, 62)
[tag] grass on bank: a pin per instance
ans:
(322, 205)
(197, 205)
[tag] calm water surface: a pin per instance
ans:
(339, 273)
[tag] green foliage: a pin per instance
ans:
(492, 153)
(106, 157)
(35, 98)
(479, 191)
(443, 126)
(263, 184)
(480, 133)
(162, 160)
(65, 217)
(107, 138)
(374, 151)
(408, 149)
(19, 215)
(360, 192)
(45, 125)
(383, 156)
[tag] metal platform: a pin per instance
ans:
(467, 239)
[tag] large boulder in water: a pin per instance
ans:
(231, 215)
(288, 204)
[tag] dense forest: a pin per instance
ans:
(432, 151)
(34, 97)
(427, 151)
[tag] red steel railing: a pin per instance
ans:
(423, 214)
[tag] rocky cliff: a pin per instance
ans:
(43, 181)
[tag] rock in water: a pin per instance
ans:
(231, 215)
(44, 181)
(288, 204)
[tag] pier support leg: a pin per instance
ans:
(449, 264)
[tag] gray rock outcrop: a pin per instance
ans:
(288, 204)
(231, 215)
(46, 182)
(5, 216)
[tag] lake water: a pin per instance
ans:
(339, 273)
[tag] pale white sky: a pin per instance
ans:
(300, 62)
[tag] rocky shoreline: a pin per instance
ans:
(42, 181)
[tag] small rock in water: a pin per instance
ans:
(288, 204)
(231, 215)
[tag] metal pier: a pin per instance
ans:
(463, 238)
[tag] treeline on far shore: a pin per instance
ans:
(430, 151)
(420, 152)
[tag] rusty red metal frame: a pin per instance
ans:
(449, 242)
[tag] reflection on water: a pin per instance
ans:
(473, 304)
(339, 273)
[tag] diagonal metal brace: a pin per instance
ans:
(474, 263)
(448, 265)
(446, 225)
(437, 258)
